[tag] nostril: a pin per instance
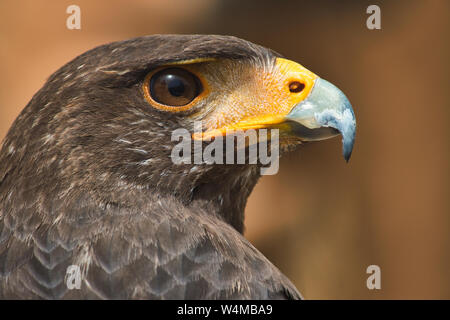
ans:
(296, 86)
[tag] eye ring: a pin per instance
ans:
(173, 88)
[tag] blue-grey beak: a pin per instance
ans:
(325, 113)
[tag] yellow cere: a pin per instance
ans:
(262, 98)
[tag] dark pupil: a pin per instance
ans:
(175, 85)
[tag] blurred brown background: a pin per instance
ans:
(320, 220)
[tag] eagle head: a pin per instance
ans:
(102, 127)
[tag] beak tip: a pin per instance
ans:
(347, 143)
(347, 154)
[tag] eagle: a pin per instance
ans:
(87, 177)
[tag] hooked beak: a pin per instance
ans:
(318, 111)
(325, 113)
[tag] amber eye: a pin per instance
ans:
(174, 87)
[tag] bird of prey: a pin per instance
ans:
(87, 178)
